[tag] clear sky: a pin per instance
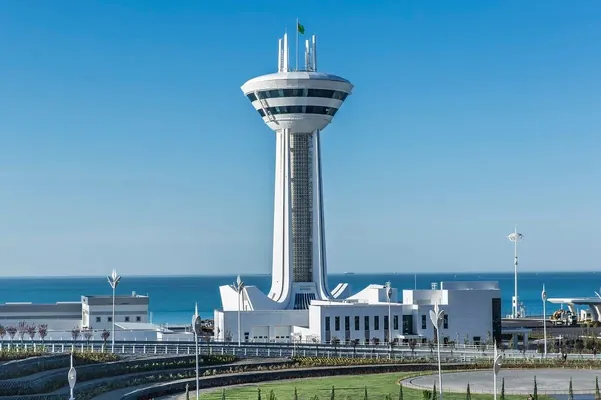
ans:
(125, 140)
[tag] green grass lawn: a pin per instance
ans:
(346, 387)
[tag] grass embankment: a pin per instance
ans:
(345, 387)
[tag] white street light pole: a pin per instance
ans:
(238, 287)
(436, 316)
(515, 237)
(495, 369)
(389, 296)
(113, 281)
(544, 298)
(197, 326)
(72, 378)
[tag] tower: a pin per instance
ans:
(298, 105)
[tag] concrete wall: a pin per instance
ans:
(275, 322)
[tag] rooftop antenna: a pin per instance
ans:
(280, 55)
(307, 56)
(286, 63)
(314, 53)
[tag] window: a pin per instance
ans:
(298, 92)
(386, 322)
(336, 323)
(496, 320)
(109, 319)
(424, 326)
(347, 323)
(327, 324)
(366, 323)
(376, 323)
(476, 340)
(445, 321)
(357, 323)
(395, 322)
(298, 110)
(126, 319)
(138, 319)
(408, 324)
(99, 319)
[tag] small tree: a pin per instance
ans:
(434, 392)
(579, 345)
(187, 391)
(431, 346)
(105, 336)
(335, 342)
(535, 394)
(333, 394)
(22, 330)
(597, 394)
(295, 394)
(375, 341)
(503, 388)
(468, 393)
(365, 395)
(570, 391)
(272, 395)
(258, 393)
(88, 334)
(2, 333)
(75, 332)
(12, 331)
(223, 395)
(400, 391)
(42, 331)
(31, 331)
(412, 345)
(354, 343)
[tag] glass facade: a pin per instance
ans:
(299, 110)
(297, 92)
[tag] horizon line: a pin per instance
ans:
(529, 272)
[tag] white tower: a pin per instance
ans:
(298, 105)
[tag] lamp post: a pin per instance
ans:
(389, 296)
(495, 369)
(238, 287)
(436, 318)
(113, 281)
(544, 298)
(197, 326)
(72, 378)
(515, 237)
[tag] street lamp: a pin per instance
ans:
(113, 281)
(515, 237)
(238, 287)
(197, 326)
(389, 296)
(436, 316)
(544, 298)
(495, 369)
(72, 378)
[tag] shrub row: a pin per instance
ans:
(481, 363)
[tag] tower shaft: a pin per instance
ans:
(298, 242)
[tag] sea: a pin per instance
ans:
(172, 298)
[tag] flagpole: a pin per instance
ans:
(296, 45)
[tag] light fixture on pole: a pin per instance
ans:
(389, 296)
(197, 326)
(495, 369)
(72, 378)
(238, 287)
(544, 298)
(113, 281)
(436, 316)
(515, 237)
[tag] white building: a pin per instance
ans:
(298, 105)
(93, 312)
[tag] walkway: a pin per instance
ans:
(517, 381)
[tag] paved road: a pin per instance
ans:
(551, 381)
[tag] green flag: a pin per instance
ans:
(300, 28)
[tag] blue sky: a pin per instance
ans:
(125, 140)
